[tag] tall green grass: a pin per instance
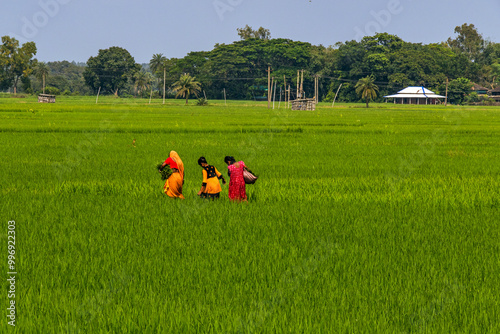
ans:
(379, 220)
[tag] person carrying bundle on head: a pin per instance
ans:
(210, 188)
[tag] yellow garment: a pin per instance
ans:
(213, 185)
(173, 185)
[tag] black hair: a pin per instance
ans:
(202, 160)
(229, 159)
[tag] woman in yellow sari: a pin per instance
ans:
(173, 185)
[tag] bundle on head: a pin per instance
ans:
(165, 172)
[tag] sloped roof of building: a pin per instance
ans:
(476, 87)
(415, 92)
(496, 90)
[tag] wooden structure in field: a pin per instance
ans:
(304, 104)
(46, 98)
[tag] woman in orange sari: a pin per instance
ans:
(173, 185)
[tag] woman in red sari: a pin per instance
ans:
(237, 190)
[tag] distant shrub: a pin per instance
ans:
(489, 102)
(202, 102)
(52, 90)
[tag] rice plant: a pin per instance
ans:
(380, 220)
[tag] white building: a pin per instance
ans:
(415, 95)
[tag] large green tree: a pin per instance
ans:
(185, 86)
(242, 65)
(468, 41)
(15, 61)
(458, 89)
(111, 69)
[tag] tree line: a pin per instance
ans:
(240, 69)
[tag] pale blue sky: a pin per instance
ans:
(77, 29)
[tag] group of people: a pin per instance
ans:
(210, 187)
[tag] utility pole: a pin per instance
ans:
(164, 79)
(269, 87)
(288, 103)
(298, 77)
(316, 88)
(302, 95)
(446, 98)
(151, 94)
(271, 95)
(274, 91)
(284, 79)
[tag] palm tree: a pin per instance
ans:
(366, 88)
(41, 72)
(157, 63)
(186, 86)
(141, 81)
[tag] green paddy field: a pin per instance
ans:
(379, 220)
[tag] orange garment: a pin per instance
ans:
(211, 181)
(173, 185)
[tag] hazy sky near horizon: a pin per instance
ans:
(75, 30)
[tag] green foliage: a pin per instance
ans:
(110, 69)
(458, 89)
(15, 61)
(468, 41)
(64, 75)
(158, 65)
(41, 71)
(472, 98)
(185, 86)
(367, 89)
(248, 32)
(52, 90)
(237, 68)
(202, 102)
(389, 224)
(142, 81)
(165, 172)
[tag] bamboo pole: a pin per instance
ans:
(298, 87)
(269, 87)
(446, 97)
(333, 103)
(274, 91)
(288, 103)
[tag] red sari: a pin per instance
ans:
(236, 182)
